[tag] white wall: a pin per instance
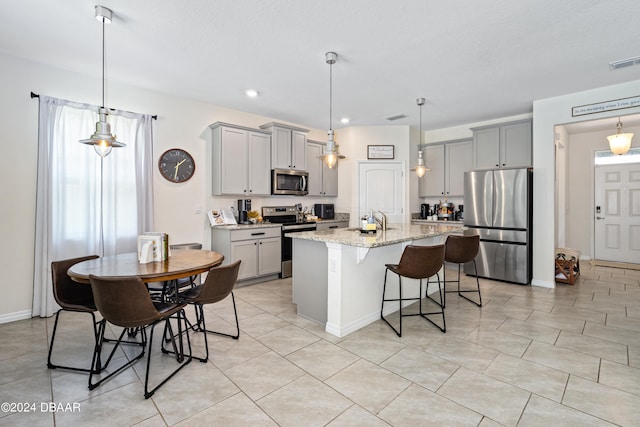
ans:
(562, 205)
(548, 113)
(353, 143)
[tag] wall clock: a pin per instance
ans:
(176, 165)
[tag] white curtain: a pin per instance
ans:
(75, 192)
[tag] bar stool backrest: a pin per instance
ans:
(461, 249)
(124, 302)
(420, 262)
(70, 295)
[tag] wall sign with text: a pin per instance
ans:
(380, 152)
(601, 107)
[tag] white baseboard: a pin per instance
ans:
(12, 317)
(543, 283)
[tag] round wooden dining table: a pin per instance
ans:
(181, 263)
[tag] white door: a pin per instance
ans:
(381, 188)
(617, 213)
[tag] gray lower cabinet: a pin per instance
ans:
(258, 248)
(331, 224)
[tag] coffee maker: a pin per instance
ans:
(244, 206)
(424, 211)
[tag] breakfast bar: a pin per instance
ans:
(338, 273)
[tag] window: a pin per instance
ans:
(608, 158)
(85, 204)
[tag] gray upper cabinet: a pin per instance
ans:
(322, 180)
(448, 162)
(288, 146)
(240, 161)
(507, 145)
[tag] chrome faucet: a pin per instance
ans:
(383, 221)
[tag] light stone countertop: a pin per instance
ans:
(248, 226)
(395, 233)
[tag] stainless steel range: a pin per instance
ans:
(289, 217)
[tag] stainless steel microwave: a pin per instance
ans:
(289, 182)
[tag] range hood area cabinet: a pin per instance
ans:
(240, 161)
(288, 146)
(448, 162)
(507, 145)
(322, 180)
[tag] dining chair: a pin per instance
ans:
(162, 291)
(126, 302)
(74, 297)
(460, 250)
(217, 286)
(416, 262)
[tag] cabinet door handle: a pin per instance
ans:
(334, 226)
(497, 165)
(250, 191)
(258, 234)
(504, 164)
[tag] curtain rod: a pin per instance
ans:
(35, 95)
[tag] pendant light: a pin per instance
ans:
(330, 154)
(102, 140)
(620, 142)
(421, 168)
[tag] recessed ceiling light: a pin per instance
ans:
(251, 93)
(344, 120)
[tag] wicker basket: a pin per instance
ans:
(567, 265)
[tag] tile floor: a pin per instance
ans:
(531, 356)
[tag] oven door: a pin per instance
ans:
(287, 246)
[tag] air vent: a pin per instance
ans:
(395, 117)
(624, 63)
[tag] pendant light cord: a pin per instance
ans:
(420, 139)
(103, 49)
(330, 94)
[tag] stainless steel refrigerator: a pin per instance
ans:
(498, 207)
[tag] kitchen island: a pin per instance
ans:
(338, 274)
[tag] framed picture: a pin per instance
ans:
(380, 152)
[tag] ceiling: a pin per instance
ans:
(471, 60)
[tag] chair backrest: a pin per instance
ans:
(420, 262)
(461, 249)
(67, 292)
(218, 285)
(124, 301)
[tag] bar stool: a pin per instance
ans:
(460, 250)
(417, 262)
